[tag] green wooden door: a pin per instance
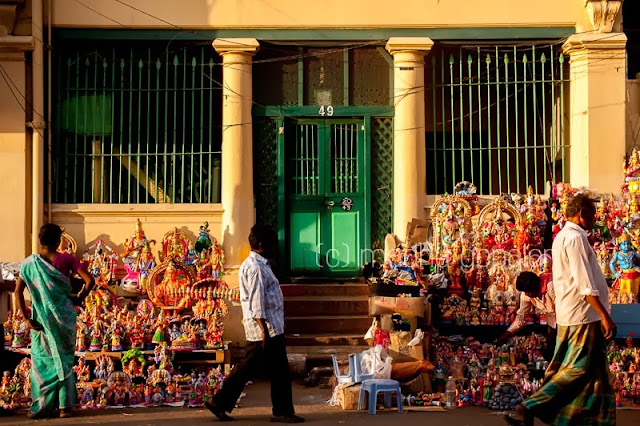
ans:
(326, 168)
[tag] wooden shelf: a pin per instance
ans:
(196, 357)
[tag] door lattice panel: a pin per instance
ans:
(381, 181)
(265, 166)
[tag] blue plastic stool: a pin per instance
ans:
(375, 386)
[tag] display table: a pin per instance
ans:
(627, 318)
(220, 356)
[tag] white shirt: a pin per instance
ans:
(546, 303)
(576, 274)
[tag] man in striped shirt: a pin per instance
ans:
(263, 320)
(529, 284)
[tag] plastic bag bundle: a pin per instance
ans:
(376, 358)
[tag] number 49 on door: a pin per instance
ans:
(328, 110)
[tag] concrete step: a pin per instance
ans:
(324, 352)
(326, 339)
(339, 324)
(326, 305)
(336, 290)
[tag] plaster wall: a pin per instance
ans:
(14, 156)
(633, 114)
(314, 14)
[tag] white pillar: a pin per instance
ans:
(409, 162)
(597, 109)
(237, 142)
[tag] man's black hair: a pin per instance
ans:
(262, 236)
(528, 282)
(50, 235)
(579, 203)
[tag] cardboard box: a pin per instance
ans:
(385, 322)
(417, 231)
(400, 349)
(406, 306)
(349, 395)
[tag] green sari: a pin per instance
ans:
(52, 349)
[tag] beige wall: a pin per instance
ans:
(633, 114)
(114, 223)
(328, 13)
(15, 219)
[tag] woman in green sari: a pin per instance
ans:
(53, 324)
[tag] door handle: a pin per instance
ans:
(330, 204)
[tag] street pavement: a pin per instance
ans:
(310, 403)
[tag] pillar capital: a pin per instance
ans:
(604, 14)
(416, 45)
(594, 42)
(243, 46)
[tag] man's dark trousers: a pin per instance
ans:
(274, 355)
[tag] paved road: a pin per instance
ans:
(310, 403)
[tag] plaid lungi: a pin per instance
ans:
(576, 389)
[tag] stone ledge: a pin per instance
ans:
(418, 45)
(578, 43)
(247, 46)
(133, 210)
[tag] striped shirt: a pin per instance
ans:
(260, 297)
(546, 303)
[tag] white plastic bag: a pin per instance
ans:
(417, 338)
(375, 360)
(370, 334)
(371, 330)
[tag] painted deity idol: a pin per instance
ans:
(132, 256)
(624, 265)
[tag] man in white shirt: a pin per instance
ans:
(263, 320)
(576, 388)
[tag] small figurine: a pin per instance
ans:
(217, 260)
(191, 256)
(624, 265)
(21, 335)
(81, 337)
(175, 245)
(8, 329)
(116, 336)
(204, 241)
(96, 338)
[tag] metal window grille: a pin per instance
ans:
(344, 158)
(307, 160)
(497, 118)
(137, 124)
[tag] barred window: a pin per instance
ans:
(137, 123)
(495, 115)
